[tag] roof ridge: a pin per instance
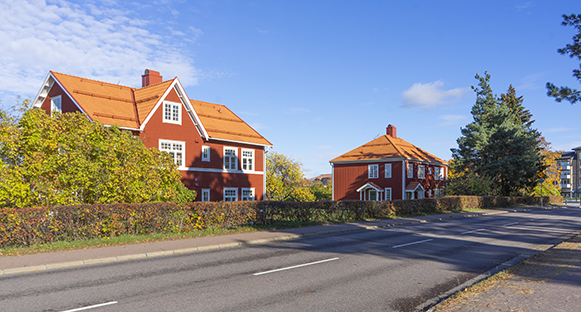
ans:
(157, 84)
(83, 79)
(395, 146)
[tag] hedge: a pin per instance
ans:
(27, 226)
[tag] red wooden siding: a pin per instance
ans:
(347, 178)
(67, 104)
(156, 129)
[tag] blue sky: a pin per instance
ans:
(316, 78)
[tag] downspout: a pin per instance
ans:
(403, 167)
(332, 182)
(264, 172)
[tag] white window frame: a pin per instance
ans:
(438, 193)
(439, 173)
(234, 196)
(174, 152)
(247, 160)
(421, 171)
(229, 157)
(174, 109)
(374, 191)
(388, 191)
(53, 104)
(205, 195)
(205, 153)
(252, 196)
(429, 170)
(387, 171)
(410, 170)
(373, 171)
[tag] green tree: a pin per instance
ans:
(321, 191)
(65, 159)
(285, 179)
(499, 145)
(574, 51)
(463, 182)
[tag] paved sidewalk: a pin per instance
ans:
(548, 281)
(74, 258)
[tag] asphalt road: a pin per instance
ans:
(392, 269)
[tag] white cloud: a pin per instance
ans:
(523, 6)
(258, 126)
(562, 129)
(298, 110)
(430, 95)
(568, 146)
(94, 42)
(451, 120)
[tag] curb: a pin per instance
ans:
(431, 304)
(155, 254)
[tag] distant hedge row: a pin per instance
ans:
(26, 226)
(345, 211)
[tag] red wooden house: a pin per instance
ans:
(219, 155)
(388, 168)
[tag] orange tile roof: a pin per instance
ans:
(129, 107)
(106, 102)
(147, 97)
(386, 147)
(222, 123)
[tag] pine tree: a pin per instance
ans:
(499, 145)
(574, 51)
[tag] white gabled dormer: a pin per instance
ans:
(43, 93)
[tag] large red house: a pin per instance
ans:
(219, 155)
(388, 168)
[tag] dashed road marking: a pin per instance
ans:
(418, 242)
(92, 307)
(295, 266)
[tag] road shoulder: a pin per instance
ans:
(548, 281)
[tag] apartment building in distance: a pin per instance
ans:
(570, 168)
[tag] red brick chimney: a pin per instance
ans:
(150, 77)
(391, 131)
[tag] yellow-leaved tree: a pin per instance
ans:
(550, 185)
(65, 159)
(285, 179)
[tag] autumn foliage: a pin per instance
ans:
(27, 226)
(66, 159)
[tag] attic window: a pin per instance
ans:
(172, 113)
(56, 104)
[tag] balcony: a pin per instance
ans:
(566, 167)
(566, 186)
(565, 176)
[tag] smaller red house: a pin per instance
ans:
(388, 168)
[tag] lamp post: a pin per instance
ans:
(555, 184)
(542, 180)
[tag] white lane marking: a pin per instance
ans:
(295, 266)
(92, 307)
(418, 242)
(510, 224)
(479, 230)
